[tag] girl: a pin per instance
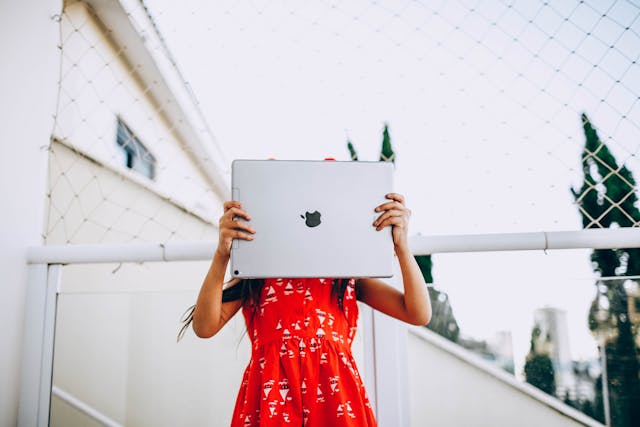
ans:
(302, 371)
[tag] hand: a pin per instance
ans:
(396, 215)
(231, 228)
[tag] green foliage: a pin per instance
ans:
(622, 372)
(443, 322)
(387, 154)
(425, 264)
(539, 372)
(538, 368)
(598, 409)
(585, 406)
(352, 151)
(608, 198)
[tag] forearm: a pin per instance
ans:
(416, 296)
(207, 314)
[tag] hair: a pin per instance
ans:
(249, 290)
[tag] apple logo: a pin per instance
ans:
(312, 218)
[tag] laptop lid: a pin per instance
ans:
(312, 219)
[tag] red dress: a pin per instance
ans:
(301, 370)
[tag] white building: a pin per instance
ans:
(103, 143)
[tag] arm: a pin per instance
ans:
(210, 313)
(413, 306)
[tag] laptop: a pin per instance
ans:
(312, 219)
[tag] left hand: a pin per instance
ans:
(396, 215)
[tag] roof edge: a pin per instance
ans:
(151, 60)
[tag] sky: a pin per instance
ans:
(483, 103)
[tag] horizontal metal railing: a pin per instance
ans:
(601, 238)
(83, 407)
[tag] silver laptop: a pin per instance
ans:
(312, 219)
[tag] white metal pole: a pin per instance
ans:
(603, 238)
(32, 345)
(39, 331)
(83, 407)
(48, 341)
(382, 336)
(390, 356)
(368, 338)
(605, 381)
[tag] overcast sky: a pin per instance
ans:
(483, 108)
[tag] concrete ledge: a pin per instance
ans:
(462, 355)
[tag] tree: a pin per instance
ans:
(538, 368)
(352, 151)
(607, 198)
(387, 154)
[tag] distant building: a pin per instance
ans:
(586, 372)
(553, 340)
(501, 345)
(498, 349)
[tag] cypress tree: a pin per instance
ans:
(387, 154)
(608, 198)
(352, 151)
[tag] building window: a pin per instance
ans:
(136, 155)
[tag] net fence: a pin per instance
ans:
(130, 159)
(504, 115)
(488, 104)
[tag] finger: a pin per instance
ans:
(395, 196)
(390, 205)
(240, 225)
(396, 221)
(236, 234)
(236, 212)
(232, 223)
(388, 214)
(230, 204)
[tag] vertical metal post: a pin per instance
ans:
(389, 355)
(605, 381)
(390, 349)
(366, 313)
(39, 330)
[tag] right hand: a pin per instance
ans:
(231, 228)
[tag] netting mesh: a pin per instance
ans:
(126, 161)
(504, 116)
(486, 96)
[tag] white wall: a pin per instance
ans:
(30, 34)
(116, 348)
(28, 76)
(100, 83)
(111, 208)
(448, 386)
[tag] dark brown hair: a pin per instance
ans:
(248, 290)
